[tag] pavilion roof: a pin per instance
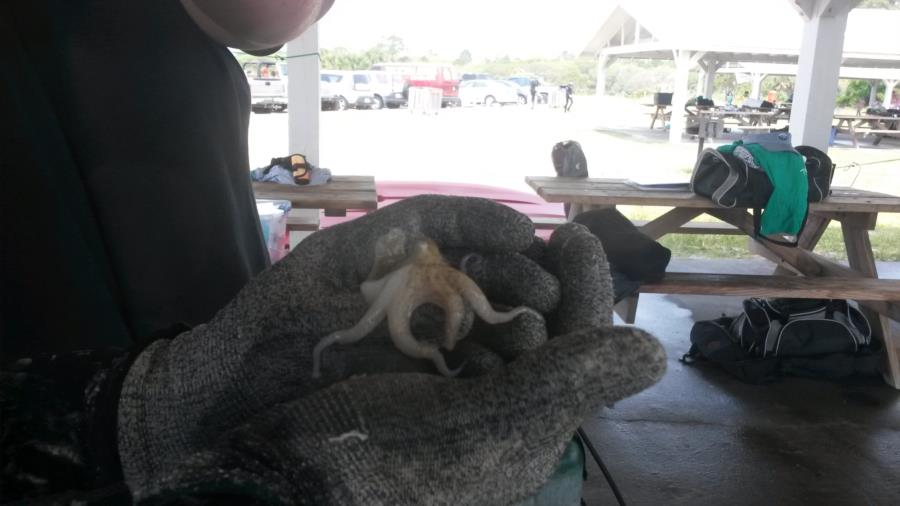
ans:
(767, 31)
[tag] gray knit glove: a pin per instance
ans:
(182, 394)
(396, 438)
(413, 439)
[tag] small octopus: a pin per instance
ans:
(399, 283)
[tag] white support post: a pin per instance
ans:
(701, 82)
(637, 31)
(683, 64)
(304, 102)
(756, 78)
(603, 61)
(888, 92)
(815, 91)
(710, 77)
(873, 89)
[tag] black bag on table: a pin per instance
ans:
(819, 172)
(729, 181)
(804, 337)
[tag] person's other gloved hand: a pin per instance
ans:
(181, 394)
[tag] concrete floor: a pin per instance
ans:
(701, 437)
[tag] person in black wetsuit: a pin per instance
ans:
(127, 207)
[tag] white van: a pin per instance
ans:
(344, 89)
(387, 88)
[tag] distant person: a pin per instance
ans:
(534, 85)
(568, 89)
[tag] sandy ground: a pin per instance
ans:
(499, 146)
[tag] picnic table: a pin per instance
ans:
(661, 112)
(745, 119)
(861, 126)
(799, 273)
(334, 198)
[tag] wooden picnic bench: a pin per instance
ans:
(861, 126)
(660, 112)
(334, 198)
(800, 272)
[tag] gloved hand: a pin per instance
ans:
(410, 439)
(180, 395)
(430, 439)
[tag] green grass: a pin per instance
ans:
(885, 244)
(885, 239)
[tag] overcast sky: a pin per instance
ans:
(487, 28)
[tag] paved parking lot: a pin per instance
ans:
(501, 145)
(495, 146)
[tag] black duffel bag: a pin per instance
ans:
(827, 338)
(819, 172)
(729, 181)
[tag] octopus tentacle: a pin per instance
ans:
(403, 338)
(482, 307)
(373, 316)
(454, 311)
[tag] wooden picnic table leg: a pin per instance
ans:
(861, 258)
(853, 135)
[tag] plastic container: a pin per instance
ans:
(424, 100)
(273, 220)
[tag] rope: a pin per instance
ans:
(303, 55)
(858, 166)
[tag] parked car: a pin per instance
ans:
(268, 90)
(487, 92)
(387, 88)
(341, 89)
(427, 75)
(522, 98)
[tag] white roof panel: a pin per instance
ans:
(764, 30)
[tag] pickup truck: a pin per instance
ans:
(426, 75)
(268, 85)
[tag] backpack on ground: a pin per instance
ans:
(773, 337)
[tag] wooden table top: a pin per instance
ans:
(341, 193)
(710, 112)
(866, 118)
(612, 192)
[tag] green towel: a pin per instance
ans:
(786, 209)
